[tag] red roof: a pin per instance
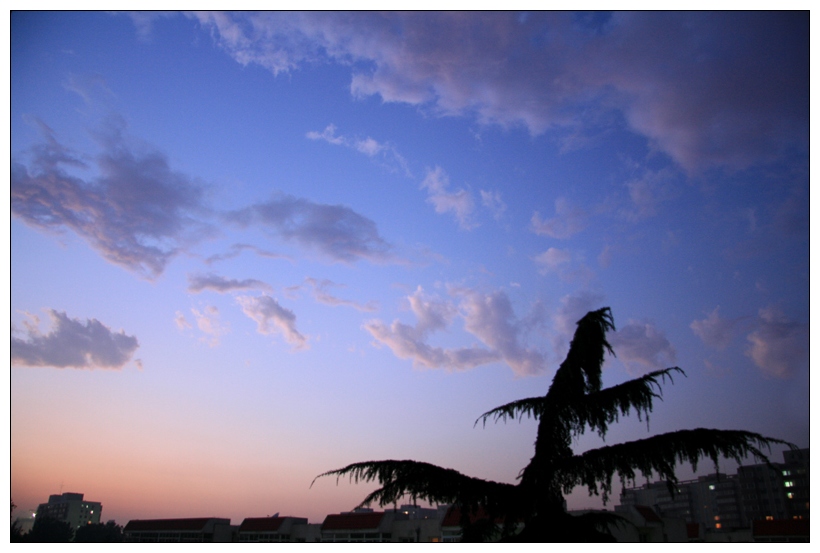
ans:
(692, 530)
(648, 514)
(453, 517)
(169, 524)
(787, 527)
(262, 524)
(352, 521)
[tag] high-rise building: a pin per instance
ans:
(71, 508)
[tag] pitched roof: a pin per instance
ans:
(170, 524)
(352, 521)
(648, 514)
(266, 524)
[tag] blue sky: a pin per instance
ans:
(249, 248)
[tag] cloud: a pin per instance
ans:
(237, 249)
(715, 88)
(571, 309)
(714, 330)
(198, 283)
(180, 320)
(367, 146)
(72, 343)
(493, 202)
(137, 213)
(779, 347)
(460, 202)
(552, 260)
(649, 192)
(208, 322)
(644, 344)
(489, 317)
(272, 318)
(568, 221)
(336, 231)
(320, 294)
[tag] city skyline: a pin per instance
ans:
(249, 248)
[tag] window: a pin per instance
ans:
(788, 484)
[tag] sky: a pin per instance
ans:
(250, 248)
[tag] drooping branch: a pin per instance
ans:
(427, 482)
(659, 455)
(596, 410)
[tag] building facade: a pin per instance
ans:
(70, 507)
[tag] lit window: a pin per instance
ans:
(711, 486)
(717, 517)
(717, 526)
(787, 473)
(769, 517)
(788, 484)
(790, 495)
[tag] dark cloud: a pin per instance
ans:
(334, 230)
(707, 88)
(137, 213)
(72, 343)
(198, 283)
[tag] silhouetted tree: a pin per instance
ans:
(99, 533)
(573, 403)
(50, 530)
(16, 530)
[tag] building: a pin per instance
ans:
(361, 525)
(779, 531)
(776, 491)
(271, 529)
(179, 530)
(70, 507)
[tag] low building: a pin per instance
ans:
(781, 531)
(70, 507)
(178, 530)
(361, 525)
(273, 529)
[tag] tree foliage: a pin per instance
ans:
(574, 403)
(110, 532)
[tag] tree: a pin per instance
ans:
(574, 403)
(50, 530)
(99, 533)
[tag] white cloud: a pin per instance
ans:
(181, 322)
(779, 347)
(569, 220)
(644, 344)
(459, 202)
(272, 318)
(208, 322)
(370, 147)
(553, 260)
(648, 192)
(714, 330)
(72, 343)
(489, 317)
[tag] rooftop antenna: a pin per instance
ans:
(61, 488)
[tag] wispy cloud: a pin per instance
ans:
(674, 77)
(138, 213)
(489, 317)
(321, 294)
(443, 200)
(714, 330)
(197, 283)
(236, 249)
(779, 346)
(72, 343)
(569, 220)
(336, 231)
(381, 151)
(208, 321)
(492, 201)
(272, 318)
